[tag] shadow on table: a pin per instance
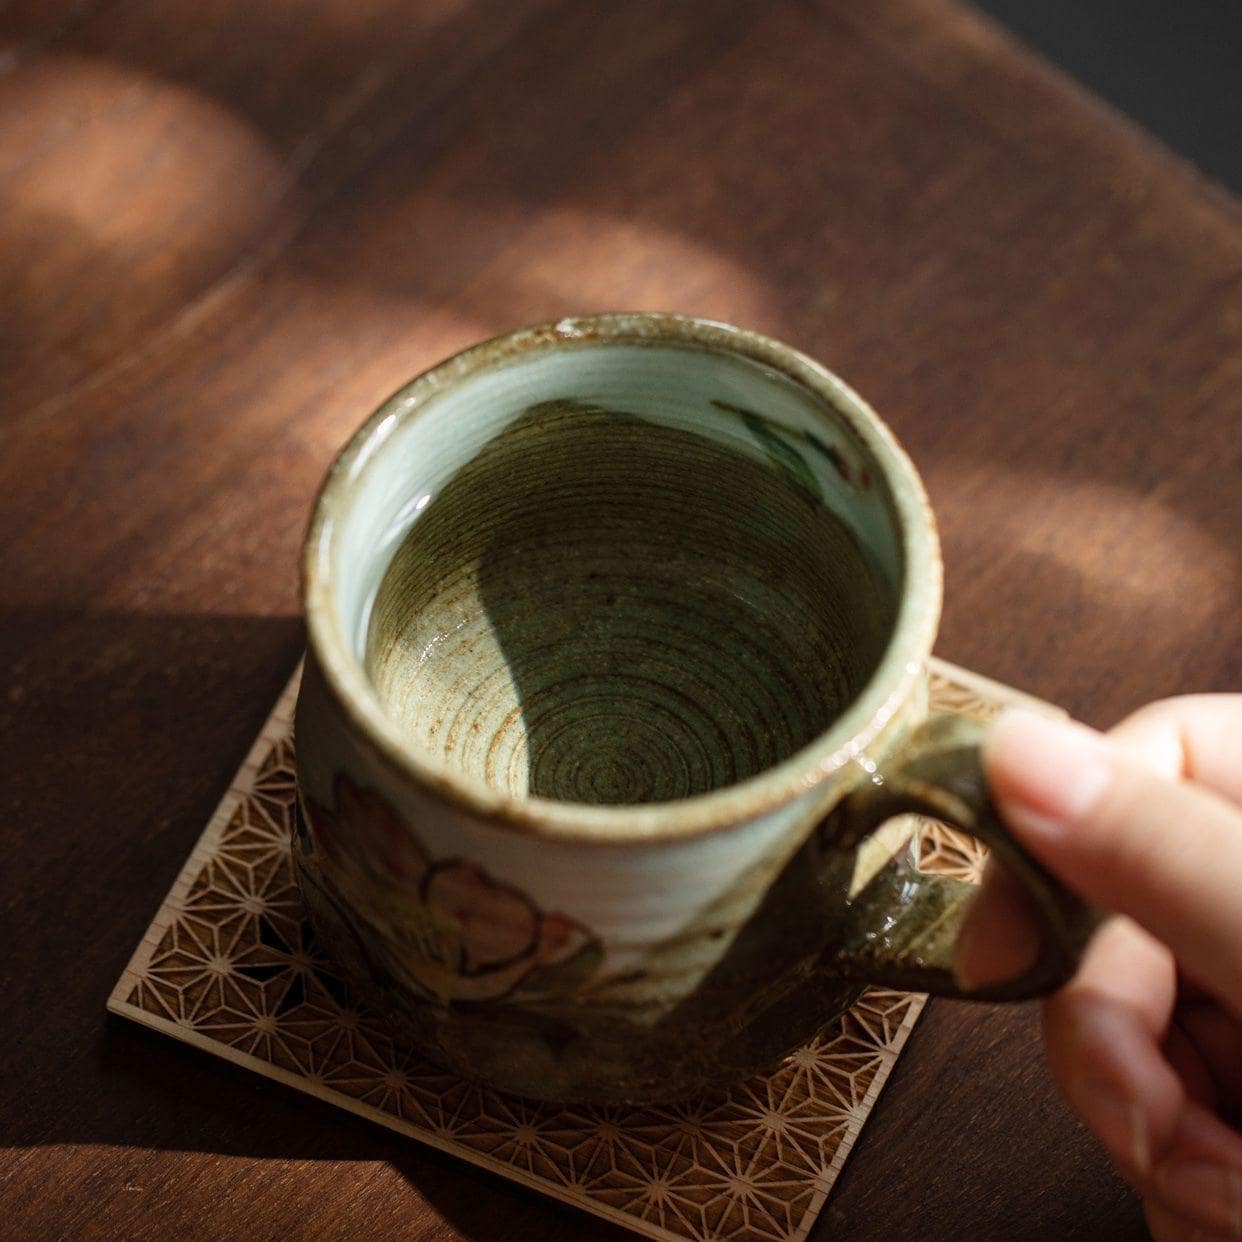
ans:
(120, 732)
(123, 731)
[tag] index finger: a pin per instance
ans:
(1166, 852)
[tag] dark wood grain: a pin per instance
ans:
(227, 229)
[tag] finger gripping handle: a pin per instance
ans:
(905, 939)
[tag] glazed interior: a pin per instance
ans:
(617, 573)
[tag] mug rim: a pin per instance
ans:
(844, 741)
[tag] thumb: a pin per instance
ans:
(1167, 853)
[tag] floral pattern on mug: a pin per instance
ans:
(448, 927)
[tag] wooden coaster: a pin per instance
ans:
(229, 965)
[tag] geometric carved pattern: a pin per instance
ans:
(230, 965)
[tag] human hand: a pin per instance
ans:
(1146, 1041)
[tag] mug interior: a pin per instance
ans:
(617, 571)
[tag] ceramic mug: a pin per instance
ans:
(617, 643)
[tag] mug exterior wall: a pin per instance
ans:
(573, 970)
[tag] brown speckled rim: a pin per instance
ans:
(889, 688)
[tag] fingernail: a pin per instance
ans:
(1049, 772)
(1119, 1121)
(1211, 1193)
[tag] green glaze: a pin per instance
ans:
(600, 609)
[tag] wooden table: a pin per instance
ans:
(227, 229)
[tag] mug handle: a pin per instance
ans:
(903, 937)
